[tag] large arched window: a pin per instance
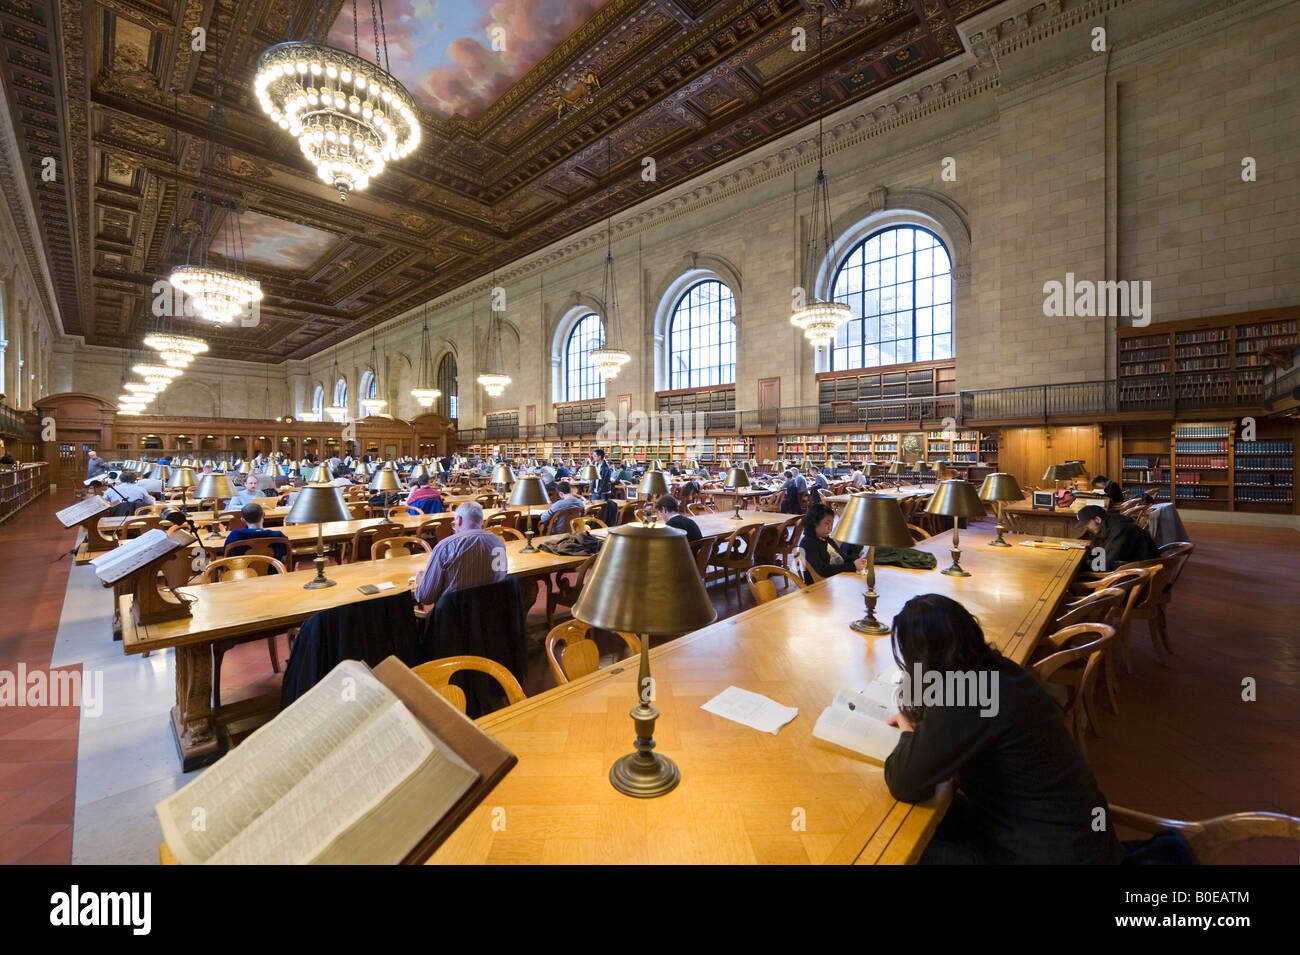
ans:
(340, 393)
(702, 337)
(898, 283)
(581, 379)
(367, 390)
(448, 403)
(318, 402)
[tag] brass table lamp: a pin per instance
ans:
(871, 521)
(417, 472)
(999, 487)
(658, 465)
(1077, 470)
(1056, 474)
(502, 477)
(955, 499)
(386, 481)
(246, 467)
(897, 469)
(589, 473)
(736, 479)
(529, 490)
(318, 504)
(160, 472)
(363, 471)
(653, 486)
(923, 470)
(213, 487)
(644, 581)
(182, 478)
(321, 474)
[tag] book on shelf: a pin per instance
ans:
(366, 768)
(856, 718)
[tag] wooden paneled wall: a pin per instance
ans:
(1027, 452)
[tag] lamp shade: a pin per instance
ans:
(924, 467)
(318, 504)
(871, 469)
(736, 477)
(321, 474)
(363, 471)
(1057, 472)
(385, 479)
(245, 467)
(160, 472)
(1001, 486)
(898, 467)
(873, 520)
(1076, 469)
(501, 474)
(529, 490)
(223, 465)
(955, 498)
(419, 471)
(214, 486)
(645, 581)
(653, 485)
(658, 465)
(589, 473)
(181, 477)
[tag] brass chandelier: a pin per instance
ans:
(425, 395)
(494, 380)
(820, 320)
(373, 406)
(349, 116)
(609, 361)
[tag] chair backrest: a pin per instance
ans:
(1100, 606)
(232, 519)
(402, 546)
(486, 500)
(703, 549)
(740, 544)
(507, 534)
(580, 525)
(274, 547)
(1082, 641)
(359, 510)
(436, 529)
(438, 674)
(135, 526)
(238, 568)
(563, 521)
(1175, 555)
(364, 539)
(761, 585)
(1208, 837)
(627, 512)
(502, 519)
(403, 510)
(767, 543)
(572, 653)
(918, 534)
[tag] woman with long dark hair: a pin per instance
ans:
(1024, 793)
(822, 554)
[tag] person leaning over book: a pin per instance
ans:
(1024, 793)
(128, 490)
(670, 513)
(1118, 535)
(821, 554)
(253, 516)
(1110, 488)
(470, 557)
(568, 502)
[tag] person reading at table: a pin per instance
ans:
(128, 490)
(568, 501)
(1108, 487)
(858, 478)
(470, 557)
(821, 554)
(1024, 793)
(247, 495)
(424, 491)
(253, 516)
(670, 514)
(1117, 535)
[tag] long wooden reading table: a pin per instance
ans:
(745, 796)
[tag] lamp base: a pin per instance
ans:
(528, 547)
(320, 580)
(869, 625)
(998, 541)
(644, 775)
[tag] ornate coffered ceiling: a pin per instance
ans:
(113, 91)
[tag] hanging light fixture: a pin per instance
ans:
(349, 116)
(820, 320)
(374, 406)
(494, 380)
(217, 294)
(425, 395)
(609, 361)
(337, 412)
(178, 351)
(158, 375)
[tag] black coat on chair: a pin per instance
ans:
(483, 621)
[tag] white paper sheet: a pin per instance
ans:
(751, 709)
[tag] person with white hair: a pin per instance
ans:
(470, 557)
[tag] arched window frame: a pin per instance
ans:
(341, 393)
(582, 381)
(913, 292)
(365, 390)
(715, 331)
(318, 402)
(448, 404)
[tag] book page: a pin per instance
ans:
(857, 731)
(71, 516)
(131, 556)
(345, 788)
(212, 810)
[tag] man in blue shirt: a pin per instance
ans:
(245, 496)
(129, 491)
(568, 501)
(253, 530)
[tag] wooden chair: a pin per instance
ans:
(436, 529)
(1133, 581)
(398, 547)
(402, 510)
(918, 533)
(580, 525)
(359, 548)
(1208, 837)
(438, 674)
(360, 510)
(791, 531)
(578, 654)
(767, 543)
(703, 550)
(239, 568)
(1084, 642)
(627, 512)
(257, 547)
(594, 509)
(1101, 606)
(486, 501)
(134, 527)
(508, 519)
(763, 588)
(737, 556)
(563, 521)
(233, 520)
(507, 534)
(564, 589)
(771, 502)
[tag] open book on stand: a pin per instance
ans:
(367, 768)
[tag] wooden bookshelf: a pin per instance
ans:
(1201, 464)
(20, 485)
(1264, 469)
(963, 448)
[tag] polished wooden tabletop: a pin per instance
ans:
(236, 607)
(914, 490)
(745, 796)
(1027, 505)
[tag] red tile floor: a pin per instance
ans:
(1184, 745)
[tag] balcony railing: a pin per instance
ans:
(13, 426)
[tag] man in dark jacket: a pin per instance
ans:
(1116, 534)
